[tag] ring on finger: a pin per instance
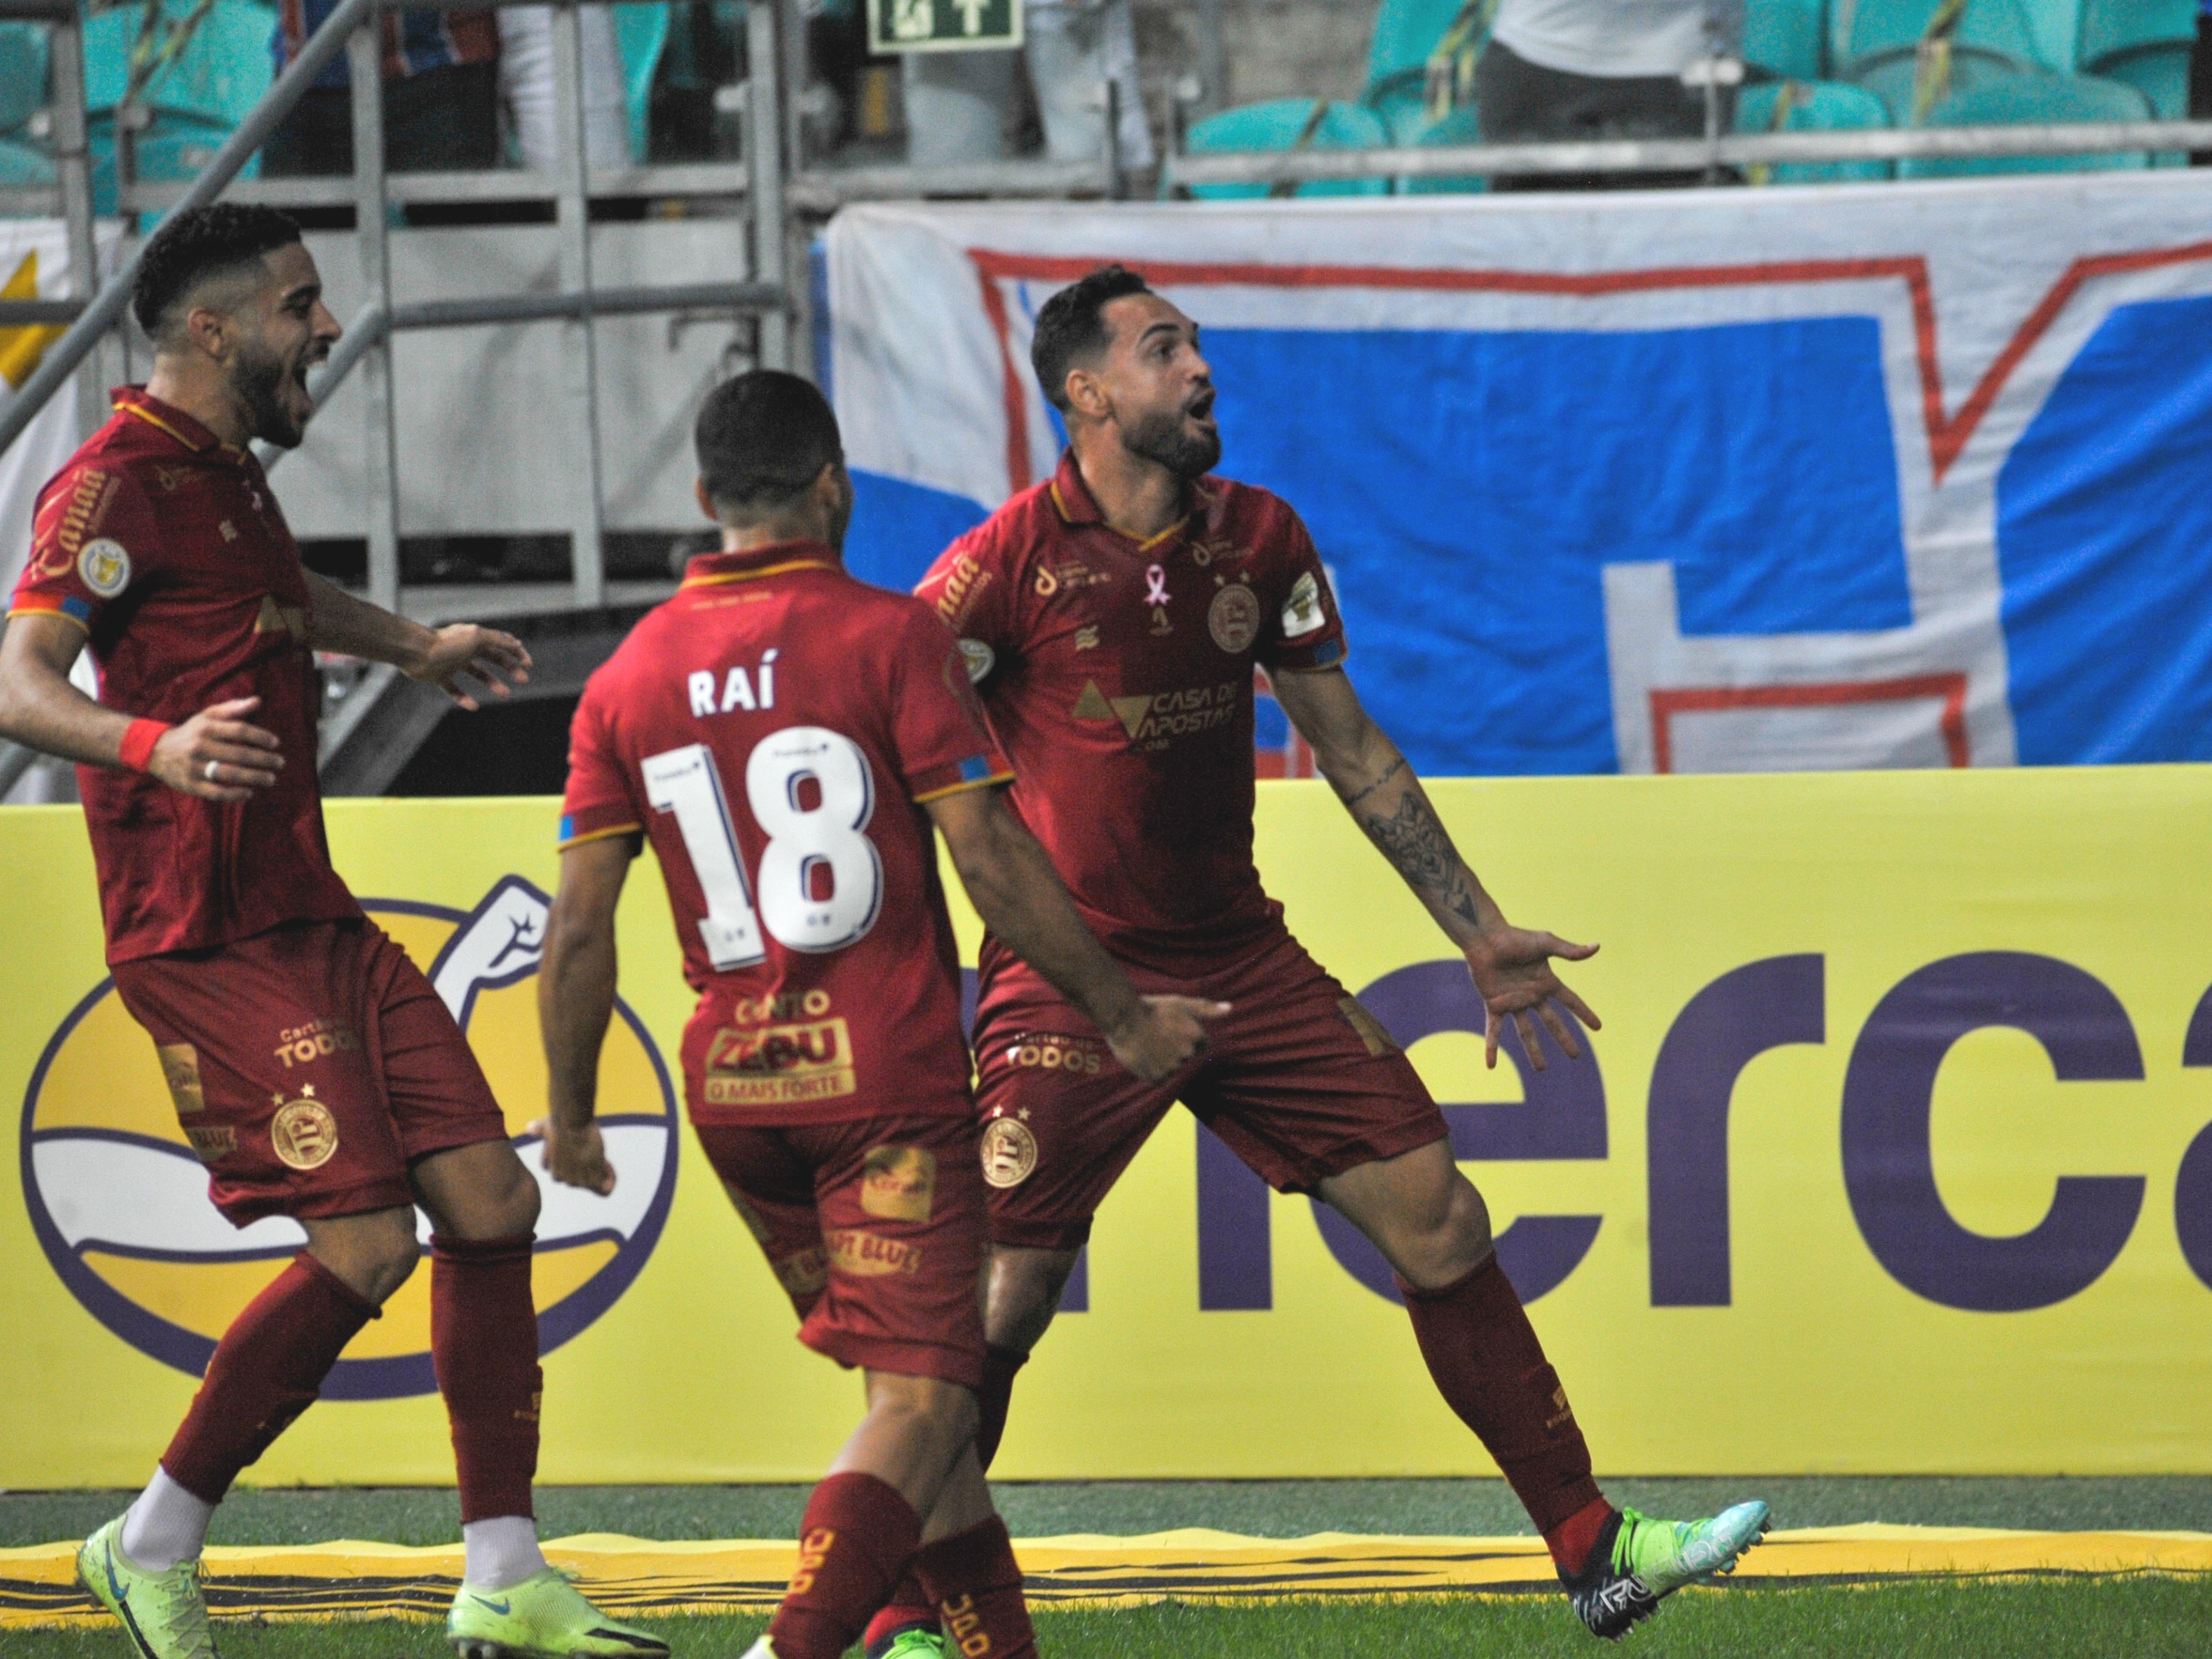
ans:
(208, 771)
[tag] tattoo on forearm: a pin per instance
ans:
(1388, 773)
(1421, 851)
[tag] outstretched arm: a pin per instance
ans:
(576, 1000)
(1018, 893)
(216, 754)
(1511, 966)
(436, 656)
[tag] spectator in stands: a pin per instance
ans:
(1565, 69)
(964, 106)
(525, 77)
(440, 94)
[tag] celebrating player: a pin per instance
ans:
(228, 935)
(1112, 616)
(786, 736)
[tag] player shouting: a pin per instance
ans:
(786, 736)
(228, 932)
(1112, 616)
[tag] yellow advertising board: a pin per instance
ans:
(1894, 1158)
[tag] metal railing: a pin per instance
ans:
(95, 316)
(1183, 169)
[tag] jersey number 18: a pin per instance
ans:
(805, 843)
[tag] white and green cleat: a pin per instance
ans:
(164, 1612)
(1638, 1563)
(918, 1644)
(544, 1617)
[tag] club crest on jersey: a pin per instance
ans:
(104, 567)
(979, 659)
(1009, 1152)
(1302, 612)
(304, 1134)
(1233, 619)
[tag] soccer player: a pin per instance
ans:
(785, 737)
(1112, 616)
(228, 935)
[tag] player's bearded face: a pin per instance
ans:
(1161, 387)
(1181, 436)
(283, 334)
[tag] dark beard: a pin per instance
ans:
(1163, 439)
(259, 379)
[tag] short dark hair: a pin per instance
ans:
(762, 439)
(1073, 326)
(192, 246)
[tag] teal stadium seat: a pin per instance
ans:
(2145, 43)
(1406, 32)
(1278, 125)
(23, 164)
(23, 60)
(1875, 44)
(1813, 106)
(214, 78)
(1458, 127)
(1783, 38)
(641, 33)
(2033, 99)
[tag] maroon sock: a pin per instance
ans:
(856, 1538)
(267, 1370)
(999, 1365)
(977, 1586)
(1490, 1370)
(483, 1348)
(909, 1608)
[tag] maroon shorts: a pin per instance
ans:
(1300, 1082)
(876, 1228)
(311, 1065)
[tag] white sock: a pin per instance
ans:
(166, 1525)
(501, 1550)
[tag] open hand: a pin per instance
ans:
(216, 755)
(484, 654)
(1164, 1034)
(1512, 970)
(576, 1158)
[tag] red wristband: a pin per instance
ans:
(139, 737)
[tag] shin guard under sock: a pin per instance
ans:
(976, 1587)
(267, 1370)
(1490, 1370)
(857, 1537)
(483, 1348)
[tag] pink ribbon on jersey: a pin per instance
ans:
(1155, 583)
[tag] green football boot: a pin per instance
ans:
(921, 1643)
(544, 1617)
(1638, 1562)
(164, 1612)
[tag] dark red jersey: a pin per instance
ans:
(166, 547)
(774, 729)
(1117, 675)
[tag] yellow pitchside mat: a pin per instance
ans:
(636, 1577)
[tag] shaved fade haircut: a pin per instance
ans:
(1072, 327)
(762, 439)
(223, 239)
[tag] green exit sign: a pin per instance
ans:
(943, 25)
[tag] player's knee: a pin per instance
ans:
(945, 1413)
(1025, 1286)
(372, 1254)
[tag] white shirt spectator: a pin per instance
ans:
(1619, 37)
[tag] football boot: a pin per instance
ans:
(163, 1612)
(1637, 1562)
(544, 1617)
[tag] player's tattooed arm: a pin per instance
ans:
(456, 658)
(1511, 966)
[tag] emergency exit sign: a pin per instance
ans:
(943, 25)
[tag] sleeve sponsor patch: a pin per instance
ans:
(104, 567)
(1302, 613)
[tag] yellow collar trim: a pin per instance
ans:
(755, 575)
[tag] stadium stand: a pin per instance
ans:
(1291, 124)
(196, 67)
(1795, 105)
(2144, 43)
(2033, 98)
